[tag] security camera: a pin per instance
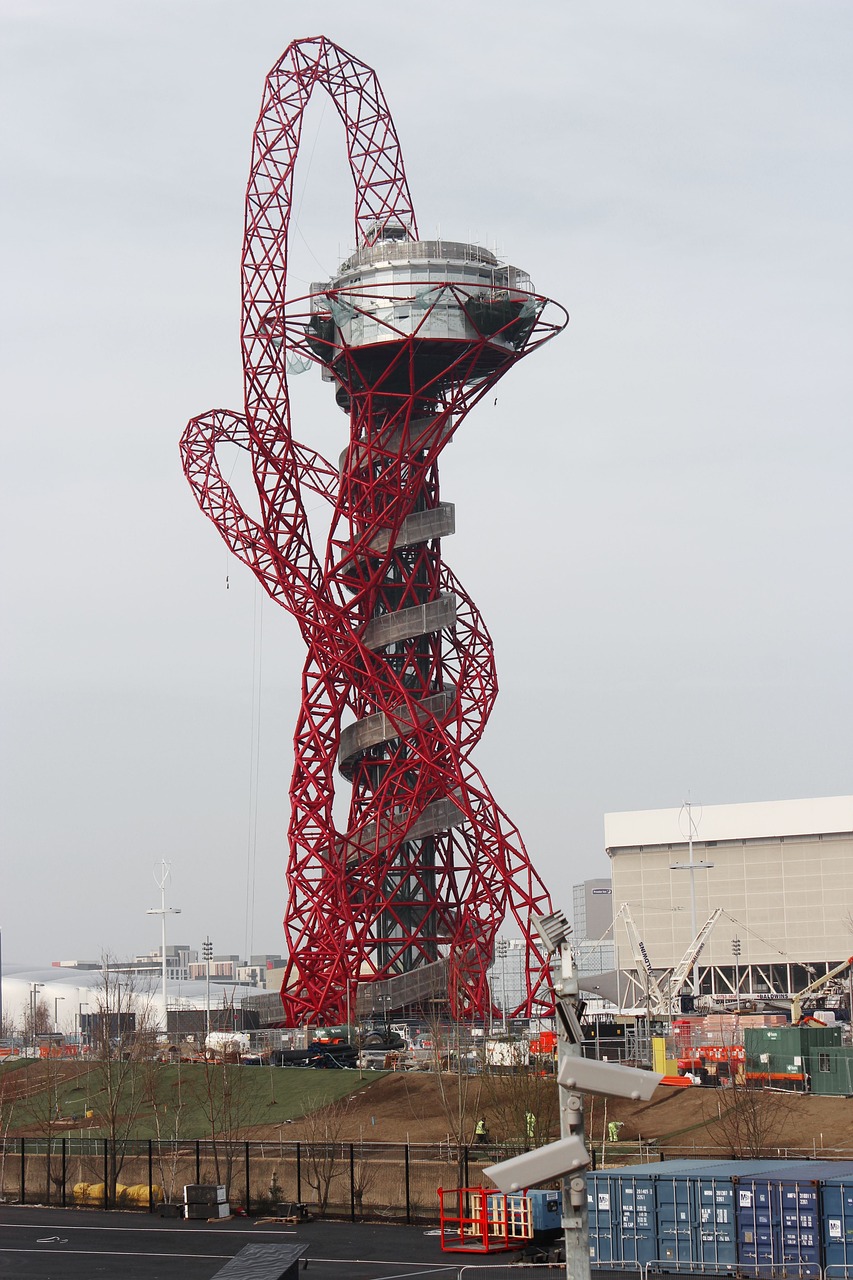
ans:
(588, 1076)
(535, 1167)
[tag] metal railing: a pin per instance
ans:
(505, 1271)
(390, 1181)
(744, 1270)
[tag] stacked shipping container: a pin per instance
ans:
(761, 1214)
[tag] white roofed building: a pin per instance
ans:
(781, 872)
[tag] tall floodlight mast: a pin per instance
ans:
(399, 678)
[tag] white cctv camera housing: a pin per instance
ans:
(614, 1081)
(535, 1167)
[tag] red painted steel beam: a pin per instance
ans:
(428, 865)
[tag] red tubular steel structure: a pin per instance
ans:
(399, 678)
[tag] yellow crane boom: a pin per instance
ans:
(796, 1003)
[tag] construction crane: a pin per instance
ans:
(673, 980)
(688, 960)
(655, 998)
(797, 1002)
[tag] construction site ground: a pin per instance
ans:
(403, 1107)
(418, 1107)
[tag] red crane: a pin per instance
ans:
(399, 677)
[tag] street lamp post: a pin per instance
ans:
(162, 911)
(35, 988)
(501, 949)
(736, 954)
(554, 931)
(692, 867)
(207, 953)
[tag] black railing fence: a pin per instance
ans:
(393, 1181)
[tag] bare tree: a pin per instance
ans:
(323, 1131)
(167, 1121)
(123, 1037)
(365, 1171)
(36, 1020)
(44, 1080)
(220, 1088)
(753, 1120)
(458, 1078)
(7, 1108)
(513, 1093)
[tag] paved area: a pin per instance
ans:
(79, 1244)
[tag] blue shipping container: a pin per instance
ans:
(837, 1220)
(706, 1229)
(622, 1224)
(779, 1217)
(645, 1213)
(773, 1217)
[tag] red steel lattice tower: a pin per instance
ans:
(399, 678)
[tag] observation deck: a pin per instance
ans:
(447, 295)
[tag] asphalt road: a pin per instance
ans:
(79, 1244)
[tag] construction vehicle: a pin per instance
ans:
(673, 980)
(797, 1001)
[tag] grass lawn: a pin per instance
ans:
(177, 1096)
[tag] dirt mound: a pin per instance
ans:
(409, 1108)
(402, 1107)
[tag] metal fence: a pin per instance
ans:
(396, 1182)
(650, 1270)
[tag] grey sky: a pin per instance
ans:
(654, 519)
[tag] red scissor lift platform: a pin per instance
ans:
(474, 1220)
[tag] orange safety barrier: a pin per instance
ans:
(763, 1077)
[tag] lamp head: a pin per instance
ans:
(554, 930)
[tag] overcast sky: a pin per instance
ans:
(655, 518)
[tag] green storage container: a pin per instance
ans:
(831, 1071)
(782, 1055)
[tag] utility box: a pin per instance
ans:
(547, 1210)
(203, 1201)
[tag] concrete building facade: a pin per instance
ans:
(592, 928)
(782, 873)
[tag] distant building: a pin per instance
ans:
(268, 960)
(220, 971)
(179, 958)
(592, 934)
(781, 871)
(507, 976)
(253, 975)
